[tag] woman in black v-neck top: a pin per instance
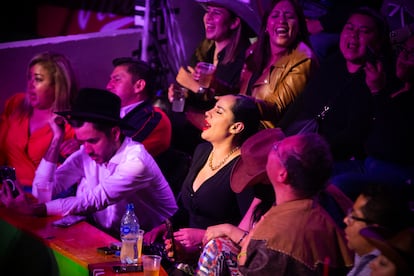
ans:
(206, 197)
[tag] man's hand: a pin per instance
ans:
(57, 124)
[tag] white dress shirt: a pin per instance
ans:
(131, 175)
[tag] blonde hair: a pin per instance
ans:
(63, 79)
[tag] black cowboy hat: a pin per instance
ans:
(96, 106)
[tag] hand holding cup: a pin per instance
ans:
(206, 72)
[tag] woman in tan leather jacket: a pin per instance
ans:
(280, 63)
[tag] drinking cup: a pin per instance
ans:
(151, 265)
(140, 238)
(44, 192)
(178, 101)
(206, 73)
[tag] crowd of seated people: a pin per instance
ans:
(243, 208)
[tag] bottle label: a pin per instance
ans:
(125, 230)
(128, 229)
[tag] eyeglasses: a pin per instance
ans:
(352, 218)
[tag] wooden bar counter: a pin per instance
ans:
(33, 246)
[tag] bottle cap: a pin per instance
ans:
(130, 206)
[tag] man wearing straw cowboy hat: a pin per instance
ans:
(113, 170)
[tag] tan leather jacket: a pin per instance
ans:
(281, 83)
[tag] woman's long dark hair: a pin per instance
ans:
(245, 110)
(257, 61)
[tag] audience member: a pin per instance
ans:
(342, 85)
(206, 197)
(389, 146)
(228, 25)
(113, 170)
(296, 236)
(397, 252)
(280, 63)
(381, 206)
(325, 19)
(219, 256)
(25, 133)
(133, 81)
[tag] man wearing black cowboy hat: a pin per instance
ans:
(112, 170)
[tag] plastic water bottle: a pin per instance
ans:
(129, 235)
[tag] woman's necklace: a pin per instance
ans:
(210, 159)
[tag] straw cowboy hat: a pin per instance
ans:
(250, 168)
(399, 248)
(96, 106)
(239, 8)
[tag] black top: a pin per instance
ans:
(226, 78)
(391, 138)
(214, 202)
(347, 122)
